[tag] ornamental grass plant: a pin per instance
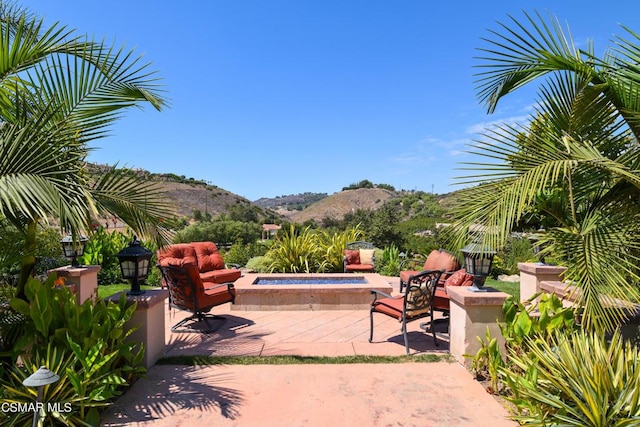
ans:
(581, 379)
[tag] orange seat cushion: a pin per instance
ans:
(359, 267)
(216, 296)
(221, 276)
(389, 306)
(441, 300)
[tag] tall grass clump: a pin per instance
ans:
(296, 252)
(333, 244)
(579, 379)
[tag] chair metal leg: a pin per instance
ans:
(371, 325)
(406, 337)
(199, 317)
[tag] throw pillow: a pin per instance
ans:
(366, 256)
(459, 278)
(352, 256)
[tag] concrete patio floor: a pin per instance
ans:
(409, 394)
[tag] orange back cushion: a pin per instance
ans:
(447, 262)
(431, 263)
(177, 255)
(208, 256)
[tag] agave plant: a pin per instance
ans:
(59, 92)
(575, 163)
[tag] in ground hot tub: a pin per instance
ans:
(314, 291)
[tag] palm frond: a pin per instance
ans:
(520, 54)
(137, 201)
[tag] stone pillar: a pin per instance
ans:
(84, 278)
(469, 316)
(532, 274)
(149, 317)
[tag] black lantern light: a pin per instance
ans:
(73, 248)
(134, 264)
(478, 259)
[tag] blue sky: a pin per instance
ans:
(280, 97)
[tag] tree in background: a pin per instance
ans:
(576, 164)
(59, 92)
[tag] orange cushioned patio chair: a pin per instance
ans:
(188, 292)
(359, 257)
(438, 259)
(416, 303)
(205, 256)
(452, 275)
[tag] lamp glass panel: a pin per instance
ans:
(68, 250)
(128, 269)
(470, 265)
(485, 266)
(143, 268)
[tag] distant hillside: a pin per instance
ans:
(339, 204)
(187, 195)
(292, 202)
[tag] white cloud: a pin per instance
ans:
(481, 127)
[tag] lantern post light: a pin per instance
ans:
(478, 259)
(134, 264)
(73, 248)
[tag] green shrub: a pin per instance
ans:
(576, 380)
(102, 249)
(517, 249)
(258, 264)
(541, 318)
(86, 344)
(219, 231)
(240, 253)
(389, 264)
(296, 252)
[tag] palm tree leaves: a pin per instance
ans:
(576, 161)
(58, 92)
(520, 55)
(136, 200)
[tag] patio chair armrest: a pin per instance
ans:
(406, 263)
(376, 293)
(228, 285)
